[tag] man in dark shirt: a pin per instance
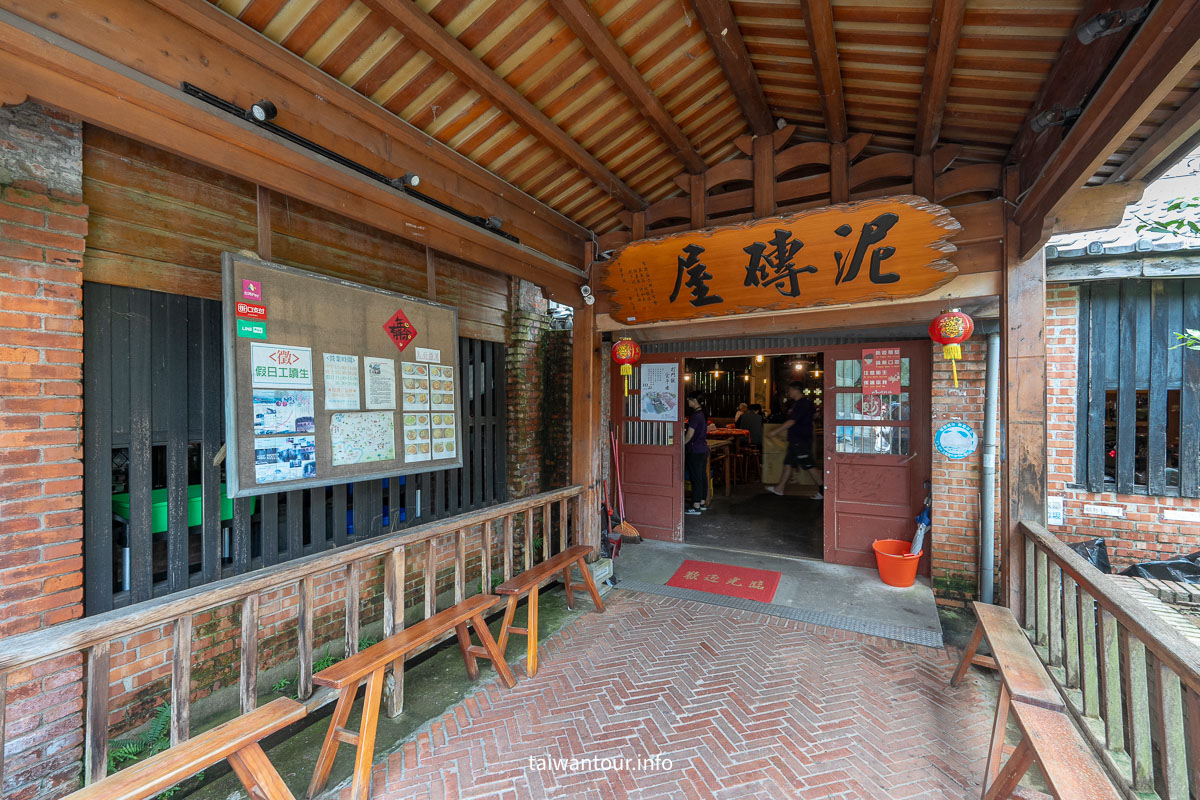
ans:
(799, 429)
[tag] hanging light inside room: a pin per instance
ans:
(758, 359)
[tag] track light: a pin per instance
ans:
(588, 297)
(1108, 23)
(493, 223)
(1054, 116)
(408, 179)
(263, 111)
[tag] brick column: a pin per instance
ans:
(43, 222)
(525, 374)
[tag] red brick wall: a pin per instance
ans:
(42, 226)
(956, 482)
(1142, 535)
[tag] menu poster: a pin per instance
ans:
(881, 371)
(341, 382)
(443, 435)
(415, 386)
(660, 392)
(380, 382)
(417, 444)
(441, 384)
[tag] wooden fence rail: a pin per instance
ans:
(93, 636)
(1131, 681)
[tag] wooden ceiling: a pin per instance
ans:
(595, 108)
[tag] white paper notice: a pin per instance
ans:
(416, 386)
(429, 354)
(278, 367)
(417, 446)
(441, 387)
(341, 382)
(380, 382)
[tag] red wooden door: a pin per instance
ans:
(648, 427)
(876, 454)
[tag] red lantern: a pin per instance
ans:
(950, 330)
(626, 352)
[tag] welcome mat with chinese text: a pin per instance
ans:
(726, 579)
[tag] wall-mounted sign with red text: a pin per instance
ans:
(250, 311)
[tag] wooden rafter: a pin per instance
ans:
(1072, 79)
(822, 47)
(424, 31)
(582, 19)
(945, 28)
(1164, 49)
(81, 82)
(1157, 150)
(721, 28)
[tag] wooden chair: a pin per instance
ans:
(1048, 734)
(370, 666)
(529, 582)
(236, 740)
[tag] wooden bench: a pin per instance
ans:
(1048, 734)
(236, 740)
(529, 581)
(370, 666)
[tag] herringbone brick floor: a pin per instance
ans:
(743, 705)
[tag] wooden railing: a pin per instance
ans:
(1131, 681)
(93, 636)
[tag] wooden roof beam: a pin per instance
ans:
(725, 39)
(1160, 53)
(426, 33)
(582, 19)
(1154, 155)
(945, 28)
(822, 47)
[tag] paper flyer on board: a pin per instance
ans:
(341, 382)
(416, 386)
(380, 376)
(282, 411)
(362, 438)
(441, 387)
(416, 442)
(280, 367)
(288, 458)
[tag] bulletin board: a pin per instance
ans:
(328, 381)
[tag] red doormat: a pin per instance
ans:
(726, 579)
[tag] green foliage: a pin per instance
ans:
(155, 739)
(497, 578)
(1184, 219)
(1189, 339)
(366, 641)
(326, 661)
(282, 684)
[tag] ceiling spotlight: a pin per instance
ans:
(408, 179)
(799, 366)
(585, 290)
(1109, 23)
(589, 300)
(758, 359)
(1054, 116)
(493, 223)
(263, 111)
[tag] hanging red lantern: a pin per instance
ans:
(950, 330)
(626, 352)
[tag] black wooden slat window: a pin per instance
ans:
(154, 521)
(1138, 393)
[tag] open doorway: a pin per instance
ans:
(762, 498)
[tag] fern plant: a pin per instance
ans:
(155, 739)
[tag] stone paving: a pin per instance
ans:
(743, 705)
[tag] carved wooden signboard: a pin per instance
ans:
(851, 253)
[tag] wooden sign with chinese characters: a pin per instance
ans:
(850, 253)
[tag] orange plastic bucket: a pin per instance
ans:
(897, 567)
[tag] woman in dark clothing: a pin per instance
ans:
(695, 452)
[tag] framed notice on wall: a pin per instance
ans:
(328, 381)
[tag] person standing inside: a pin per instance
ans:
(799, 430)
(695, 452)
(752, 421)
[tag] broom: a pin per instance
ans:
(627, 531)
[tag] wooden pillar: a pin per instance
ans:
(699, 212)
(923, 178)
(1023, 329)
(586, 436)
(839, 173)
(430, 274)
(639, 226)
(764, 176)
